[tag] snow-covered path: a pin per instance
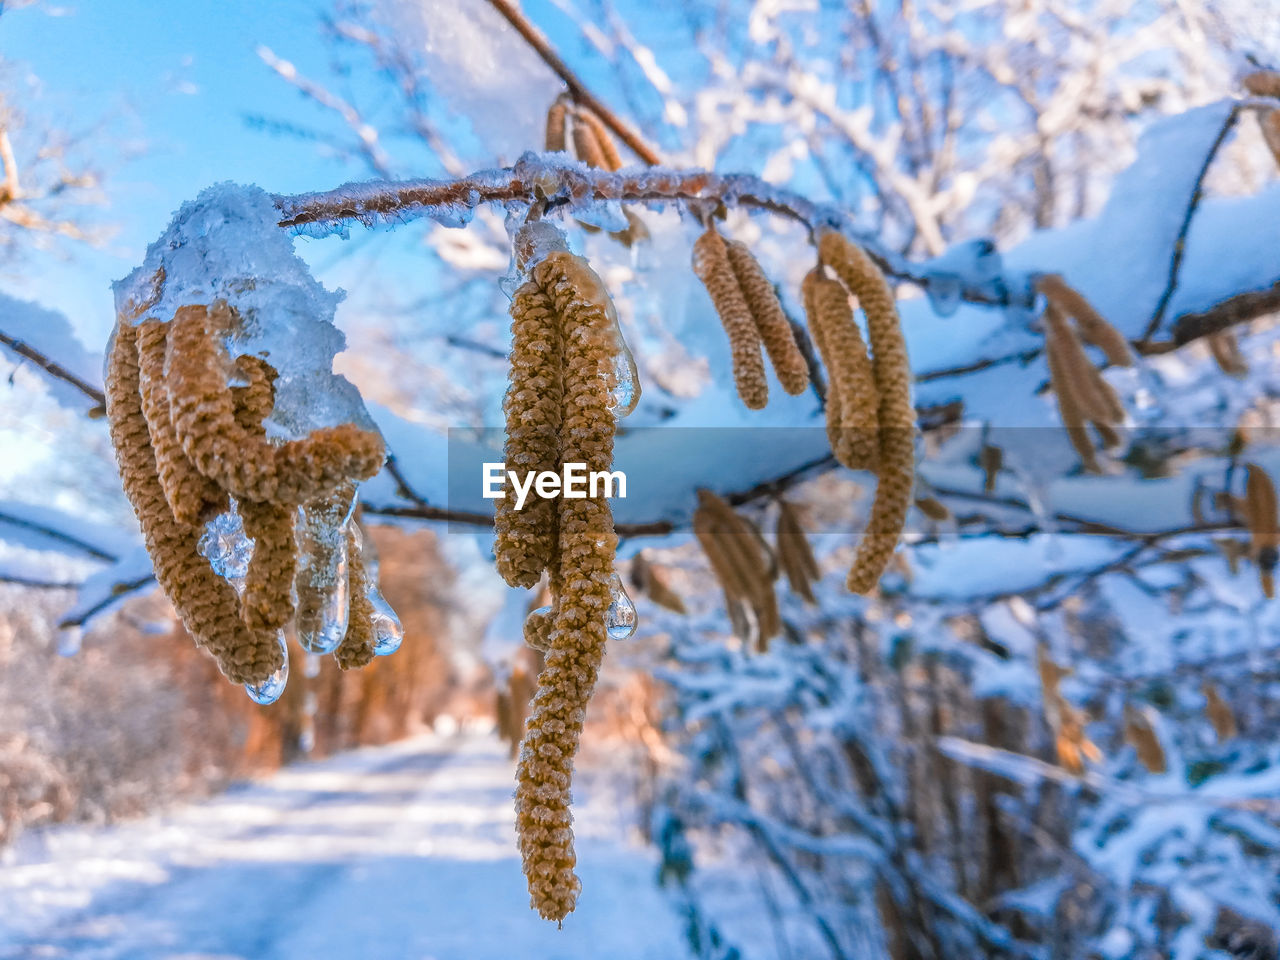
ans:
(404, 851)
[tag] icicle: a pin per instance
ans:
(943, 290)
(624, 392)
(620, 620)
(321, 580)
(270, 689)
(388, 633)
(69, 639)
(227, 548)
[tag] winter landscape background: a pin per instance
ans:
(1050, 732)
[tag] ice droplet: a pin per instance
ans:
(625, 389)
(69, 639)
(227, 548)
(943, 290)
(620, 620)
(321, 577)
(388, 633)
(270, 689)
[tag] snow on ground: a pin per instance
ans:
(405, 851)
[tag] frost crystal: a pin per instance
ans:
(226, 245)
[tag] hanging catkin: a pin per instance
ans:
(192, 497)
(206, 603)
(1092, 326)
(555, 135)
(795, 556)
(1264, 529)
(711, 264)
(896, 416)
(526, 539)
(852, 399)
(243, 464)
(1069, 411)
(742, 563)
(586, 545)
(591, 141)
(770, 319)
(186, 441)
(356, 649)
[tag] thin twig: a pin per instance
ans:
(1180, 243)
(542, 47)
(52, 367)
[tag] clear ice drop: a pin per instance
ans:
(69, 639)
(620, 620)
(624, 392)
(227, 548)
(270, 689)
(943, 290)
(388, 633)
(321, 577)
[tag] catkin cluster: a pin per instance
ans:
(577, 129)
(743, 565)
(559, 410)
(870, 419)
(1084, 397)
(186, 442)
(749, 309)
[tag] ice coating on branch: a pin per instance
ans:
(226, 245)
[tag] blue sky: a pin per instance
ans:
(171, 84)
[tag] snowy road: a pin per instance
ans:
(398, 852)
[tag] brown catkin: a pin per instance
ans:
(255, 400)
(1263, 83)
(795, 556)
(192, 497)
(603, 146)
(555, 139)
(853, 400)
(1264, 528)
(741, 561)
(1269, 123)
(1094, 396)
(525, 540)
(711, 264)
(771, 321)
(1073, 420)
(1219, 713)
(356, 649)
(647, 579)
(586, 548)
(267, 604)
(892, 372)
(1093, 327)
(1226, 354)
(245, 465)
(206, 603)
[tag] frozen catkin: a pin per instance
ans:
(526, 538)
(711, 264)
(583, 569)
(891, 372)
(853, 401)
(357, 647)
(206, 603)
(188, 443)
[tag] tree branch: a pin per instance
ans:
(53, 368)
(542, 47)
